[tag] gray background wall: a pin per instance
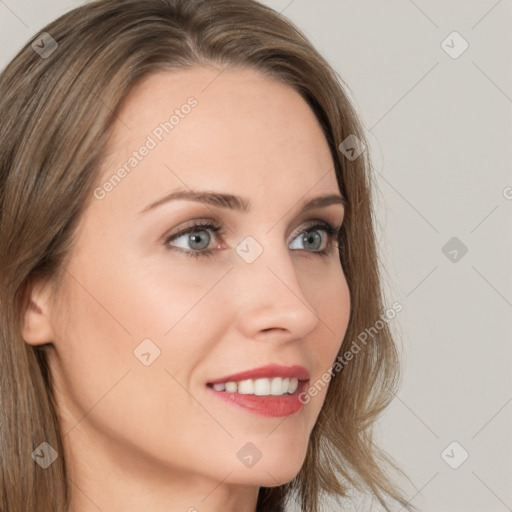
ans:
(439, 127)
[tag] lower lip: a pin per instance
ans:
(268, 405)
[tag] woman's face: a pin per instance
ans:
(148, 319)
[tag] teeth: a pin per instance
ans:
(231, 387)
(246, 387)
(261, 387)
(276, 386)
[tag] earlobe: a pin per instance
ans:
(37, 327)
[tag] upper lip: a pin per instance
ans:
(268, 371)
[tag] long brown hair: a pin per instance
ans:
(56, 111)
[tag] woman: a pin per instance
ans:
(187, 258)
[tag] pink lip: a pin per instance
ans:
(269, 405)
(269, 371)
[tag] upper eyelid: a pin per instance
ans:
(220, 227)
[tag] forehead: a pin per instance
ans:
(208, 128)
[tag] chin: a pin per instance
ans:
(271, 473)
(280, 476)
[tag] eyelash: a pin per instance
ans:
(332, 234)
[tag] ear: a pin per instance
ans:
(37, 327)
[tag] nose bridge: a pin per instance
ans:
(271, 293)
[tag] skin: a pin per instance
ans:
(153, 437)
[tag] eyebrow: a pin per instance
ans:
(237, 203)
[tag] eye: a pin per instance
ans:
(197, 239)
(313, 241)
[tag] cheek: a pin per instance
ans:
(332, 303)
(329, 295)
(125, 315)
(336, 309)
(101, 384)
(93, 342)
(143, 297)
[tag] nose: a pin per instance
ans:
(270, 300)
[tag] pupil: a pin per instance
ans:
(310, 238)
(195, 239)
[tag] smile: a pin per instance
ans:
(265, 404)
(276, 386)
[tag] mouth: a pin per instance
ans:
(272, 390)
(269, 371)
(276, 386)
(274, 397)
